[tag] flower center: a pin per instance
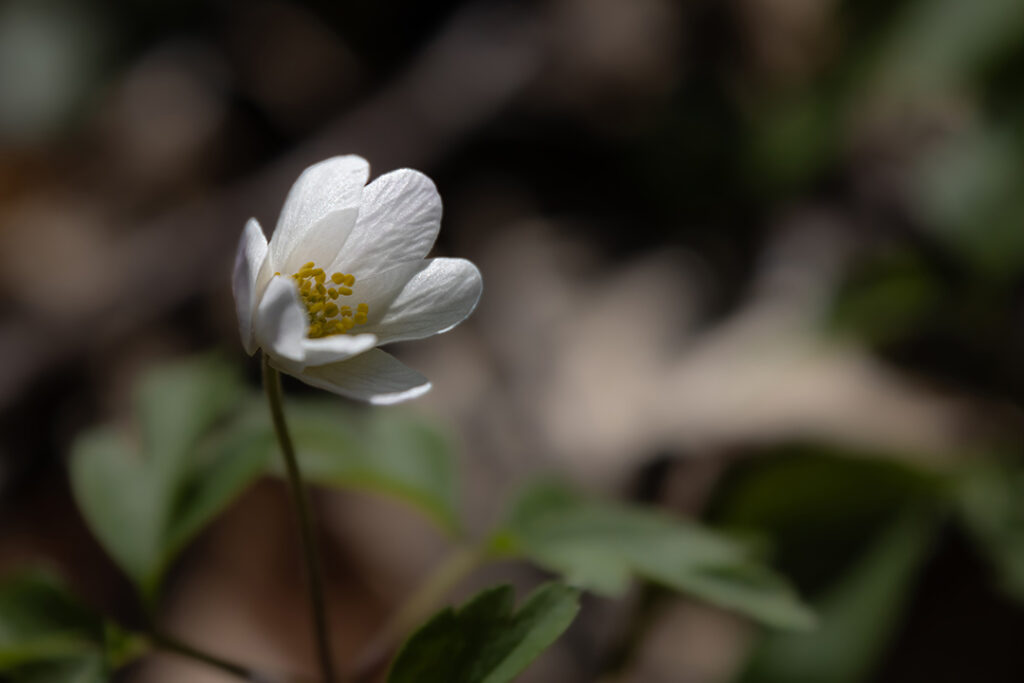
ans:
(318, 293)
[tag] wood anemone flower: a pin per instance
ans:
(345, 272)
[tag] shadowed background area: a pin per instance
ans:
(758, 262)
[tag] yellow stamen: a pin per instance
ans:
(326, 317)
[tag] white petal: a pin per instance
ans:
(319, 213)
(336, 348)
(399, 218)
(419, 299)
(249, 260)
(281, 322)
(374, 376)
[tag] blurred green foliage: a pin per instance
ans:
(144, 498)
(858, 614)
(601, 546)
(46, 634)
(486, 640)
(991, 502)
(201, 440)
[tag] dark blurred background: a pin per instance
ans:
(755, 261)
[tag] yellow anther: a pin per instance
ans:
(277, 274)
(317, 298)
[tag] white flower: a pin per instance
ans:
(345, 272)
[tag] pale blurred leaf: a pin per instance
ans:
(144, 504)
(389, 451)
(601, 546)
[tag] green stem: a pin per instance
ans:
(272, 386)
(415, 609)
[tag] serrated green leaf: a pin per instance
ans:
(486, 640)
(601, 546)
(144, 505)
(857, 614)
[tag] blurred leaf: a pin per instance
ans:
(935, 46)
(968, 191)
(40, 620)
(178, 402)
(486, 640)
(47, 635)
(388, 451)
(858, 614)
(822, 506)
(601, 546)
(227, 463)
(144, 506)
(82, 669)
(885, 299)
(991, 501)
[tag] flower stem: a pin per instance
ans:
(272, 386)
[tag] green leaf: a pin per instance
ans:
(486, 640)
(389, 451)
(885, 299)
(601, 546)
(48, 635)
(821, 506)
(145, 497)
(991, 501)
(83, 669)
(858, 614)
(39, 620)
